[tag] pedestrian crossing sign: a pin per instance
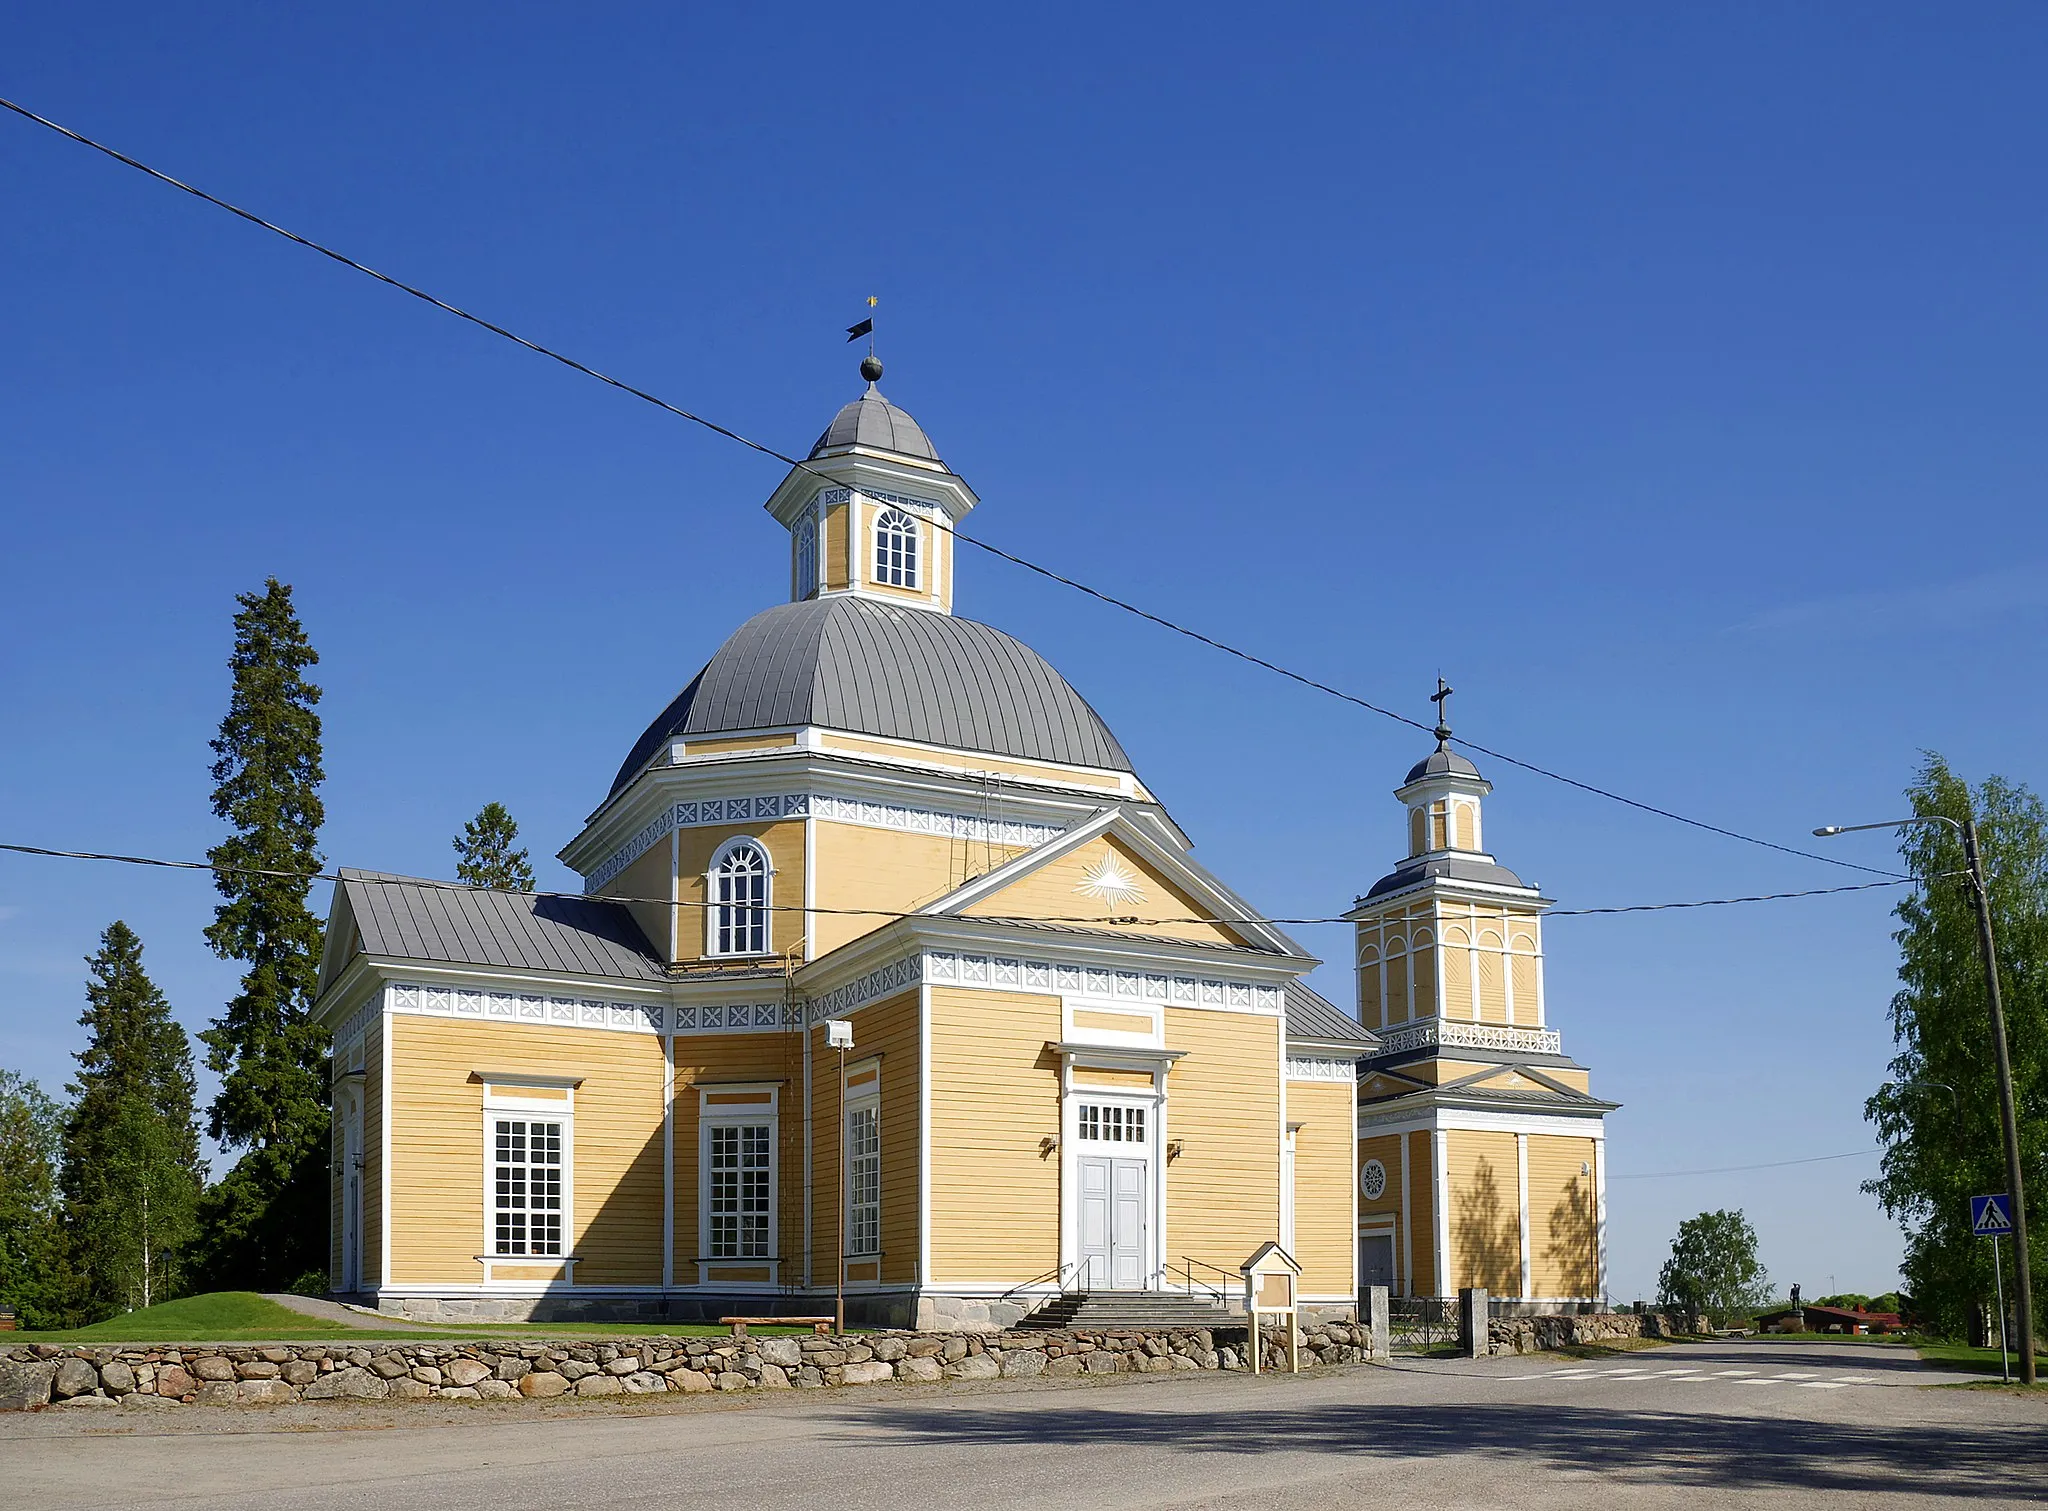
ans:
(1991, 1216)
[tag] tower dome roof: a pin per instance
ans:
(869, 667)
(1442, 761)
(872, 420)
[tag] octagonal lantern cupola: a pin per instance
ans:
(870, 511)
(1443, 792)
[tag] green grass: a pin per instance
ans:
(1960, 1356)
(245, 1317)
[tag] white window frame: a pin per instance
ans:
(864, 1103)
(764, 1108)
(515, 1098)
(806, 555)
(899, 547)
(715, 913)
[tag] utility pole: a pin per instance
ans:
(1980, 899)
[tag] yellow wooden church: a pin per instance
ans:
(1084, 1081)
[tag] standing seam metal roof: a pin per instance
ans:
(414, 919)
(870, 667)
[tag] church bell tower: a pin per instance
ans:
(1481, 1147)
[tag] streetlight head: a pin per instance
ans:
(1827, 831)
(838, 1034)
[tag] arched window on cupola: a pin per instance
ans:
(806, 556)
(739, 883)
(896, 549)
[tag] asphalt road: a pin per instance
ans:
(1698, 1426)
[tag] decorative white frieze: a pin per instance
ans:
(357, 1023)
(768, 807)
(1452, 1035)
(523, 1007)
(947, 968)
(875, 985)
(831, 496)
(1303, 1068)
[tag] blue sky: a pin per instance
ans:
(1668, 379)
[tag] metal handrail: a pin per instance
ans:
(1058, 1273)
(1187, 1267)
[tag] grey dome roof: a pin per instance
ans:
(1445, 868)
(1442, 761)
(872, 420)
(874, 668)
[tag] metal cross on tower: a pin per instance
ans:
(1442, 699)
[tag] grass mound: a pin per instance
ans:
(215, 1317)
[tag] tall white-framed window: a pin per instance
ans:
(738, 886)
(806, 556)
(896, 546)
(864, 1170)
(737, 1170)
(529, 1170)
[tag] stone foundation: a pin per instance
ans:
(1531, 1335)
(166, 1378)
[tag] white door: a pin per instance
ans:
(1112, 1213)
(352, 1197)
(1127, 1224)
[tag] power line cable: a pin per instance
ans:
(1121, 920)
(1030, 566)
(1778, 1164)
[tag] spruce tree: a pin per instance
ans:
(35, 1274)
(132, 1175)
(1938, 1113)
(488, 858)
(267, 1219)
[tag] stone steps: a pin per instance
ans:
(1150, 1309)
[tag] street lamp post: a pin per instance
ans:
(839, 1036)
(1980, 896)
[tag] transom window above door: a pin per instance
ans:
(1109, 1123)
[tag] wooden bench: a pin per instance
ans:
(739, 1324)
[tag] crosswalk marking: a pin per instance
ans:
(1733, 1374)
(1823, 1385)
(1794, 1374)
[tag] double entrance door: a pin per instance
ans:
(1114, 1200)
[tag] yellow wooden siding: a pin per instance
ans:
(995, 1188)
(1223, 1193)
(1112, 1022)
(1528, 994)
(1054, 890)
(1486, 1219)
(1418, 831)
(648, 877)
(1386, 1148)
(1563, 1230)
(1461, 826)
(1457, 978)
(972, 760)
(832, 547)
(437, 1145)
(888, 870)
(1325, 1175)
(712, 1060)
(888, 1030)
(1493, 1002)
(1419, 1240)
(727, 744)
(1371, 997)
(1423, 952)
(1397, 983)
(373, 1152)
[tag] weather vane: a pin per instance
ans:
(865, 327)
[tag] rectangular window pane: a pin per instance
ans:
(739, 1189)
(864, 1181)
(526, 1187)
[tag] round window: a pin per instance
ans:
(1372, 1180)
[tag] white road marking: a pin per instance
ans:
(1734, 1374)
(1823, 1385)
(1854, 1379)
(1796, 1374)
(1569, 1374)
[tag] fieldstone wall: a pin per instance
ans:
(165, 1378)
(1530, 1335)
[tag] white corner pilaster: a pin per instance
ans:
(1522, 1203)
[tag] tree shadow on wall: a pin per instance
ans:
(1574, 1230)
(1489, 1235)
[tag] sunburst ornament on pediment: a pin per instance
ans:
(1109, 880)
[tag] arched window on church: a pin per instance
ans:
(740, 874)
(896, 549)
(806, 557)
